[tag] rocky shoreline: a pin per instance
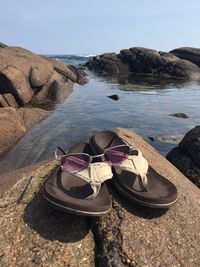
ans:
(181, 63)
(34, 234)
(28, 84)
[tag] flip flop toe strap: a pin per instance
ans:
(95, 175)
(138, 165)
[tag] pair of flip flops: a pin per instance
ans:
(78, 185)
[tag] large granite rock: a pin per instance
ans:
(28, 76)
(58, 91)
(34, 234)
(14, 123)
(131, 235)
(140, 60)
(189, 53)
(186, 157)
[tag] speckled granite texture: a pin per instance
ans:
(34, 234)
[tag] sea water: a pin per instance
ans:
(144, 106)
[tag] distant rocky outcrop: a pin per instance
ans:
(138, 60)
(188, 53)
(25, 76)
(186, 157)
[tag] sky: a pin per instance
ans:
(98, 26)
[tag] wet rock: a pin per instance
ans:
(42, 94)
(28, 76)
(139, 60)
(189, 53)
(14, 123)
(186, 157)
(58, 91)
(180, 115)
(80, 73)
(32, 233)
(131, 235)
(167, 139)
(113, 97)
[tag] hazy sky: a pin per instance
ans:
(97, 26)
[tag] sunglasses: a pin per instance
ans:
(76, 162)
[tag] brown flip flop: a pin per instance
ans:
(77, 185)
(133, 177)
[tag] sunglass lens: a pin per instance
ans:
(75, 162)
(117, 154)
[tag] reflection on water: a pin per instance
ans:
(144, 107)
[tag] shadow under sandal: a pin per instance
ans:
(77, 185)
(133, 177)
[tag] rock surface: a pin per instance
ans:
(14, 123)
(136, 236)
(113, 97)
(26, 75)
(186, 157)
(180, 115)
(167, 139)
(58, 91)
(138, 60)
(189, 53)
(32, 233)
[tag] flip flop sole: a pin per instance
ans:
(141, 202)
(74, 211)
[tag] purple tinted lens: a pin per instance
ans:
(75, 162)
(117, 154)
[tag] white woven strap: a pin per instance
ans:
(136, 164)
(95, 175)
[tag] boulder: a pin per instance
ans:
(58, 91)
(13, 81)
(27, 76)
(42, 94)
(188, 53)
(63, 69)
(139, 60)
(39, 75)
(108, 63)
(186, 157)
(14, 123)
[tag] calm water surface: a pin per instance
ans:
(144, 107)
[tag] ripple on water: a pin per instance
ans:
(144, 107)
